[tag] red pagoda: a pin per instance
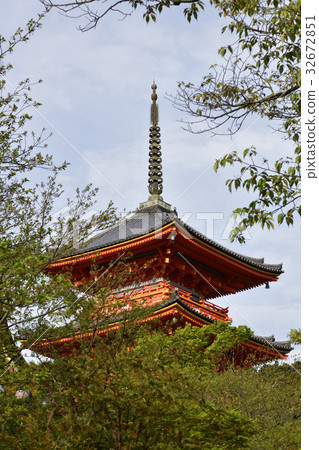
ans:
(180, 271)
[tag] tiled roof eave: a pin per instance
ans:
(254, 262)
(186, 307)
(268, 342)
(284, 346)
(170, 219)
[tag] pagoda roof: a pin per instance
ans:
(268, 341)
(271, 341)
(142, 222)
(155, 229)
(169, 308)
(153, 218)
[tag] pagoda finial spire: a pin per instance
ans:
(155, 180)
(154, 106)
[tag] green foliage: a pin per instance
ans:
(270, 396)
(295, 336)
(163, 391)
(262, 73)
(29, 238)
(277, 189)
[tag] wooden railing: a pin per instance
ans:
(162, 290)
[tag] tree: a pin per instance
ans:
(270, 396)
(29, 238)
(295, 336)
(95, 10)
(165, 391)
(261, 76)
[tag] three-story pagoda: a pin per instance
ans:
(178, 270)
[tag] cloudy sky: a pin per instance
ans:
(96, 101)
